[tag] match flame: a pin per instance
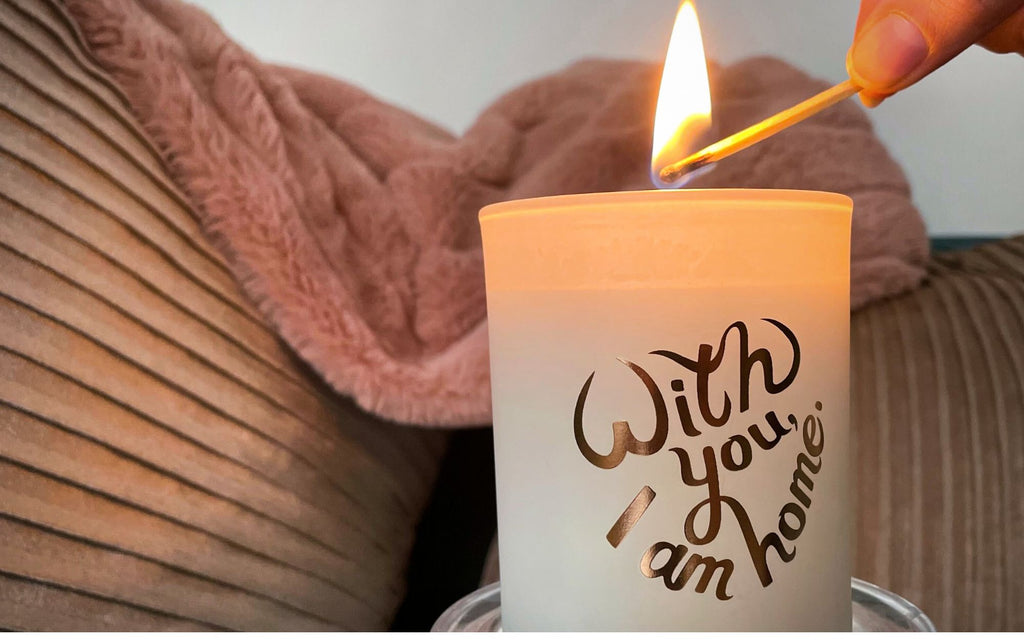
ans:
(682, 122)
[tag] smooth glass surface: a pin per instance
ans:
(874, 609)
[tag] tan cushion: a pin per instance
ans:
(165, 462)
(938, 423)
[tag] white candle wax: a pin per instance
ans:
(703, 513)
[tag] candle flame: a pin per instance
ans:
(682, 121)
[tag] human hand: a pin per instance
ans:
(898, 42)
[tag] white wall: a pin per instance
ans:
(959, 135)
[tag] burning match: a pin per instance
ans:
(757, 132)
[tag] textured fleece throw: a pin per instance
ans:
(353, 224)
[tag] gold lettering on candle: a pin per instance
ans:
(729, 457)
(623, 439)
(674, 563)
(708, 361)
(676, 581)
(777, 429)
(713, 501)
(630, 516)
(683, 409)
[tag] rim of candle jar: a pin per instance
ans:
(815, 199)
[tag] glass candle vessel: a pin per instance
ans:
(670, 374)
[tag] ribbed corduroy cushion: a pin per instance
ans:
(165, 463)
(938, 420)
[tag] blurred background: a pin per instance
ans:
(958, 134)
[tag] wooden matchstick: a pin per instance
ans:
(758, 132)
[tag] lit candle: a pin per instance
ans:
(670, 392)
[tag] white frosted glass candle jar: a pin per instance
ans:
(670, 376)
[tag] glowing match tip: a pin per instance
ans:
(675, 173)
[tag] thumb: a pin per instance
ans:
(902, 41)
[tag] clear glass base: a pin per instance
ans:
(874, 609)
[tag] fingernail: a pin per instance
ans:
(889, 51)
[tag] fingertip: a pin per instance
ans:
(888, 51)
(871, 100)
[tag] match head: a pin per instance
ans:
(680, 173)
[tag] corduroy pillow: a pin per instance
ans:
(165, 462)
(938, 425)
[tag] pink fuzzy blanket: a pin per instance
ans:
(352, 223)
